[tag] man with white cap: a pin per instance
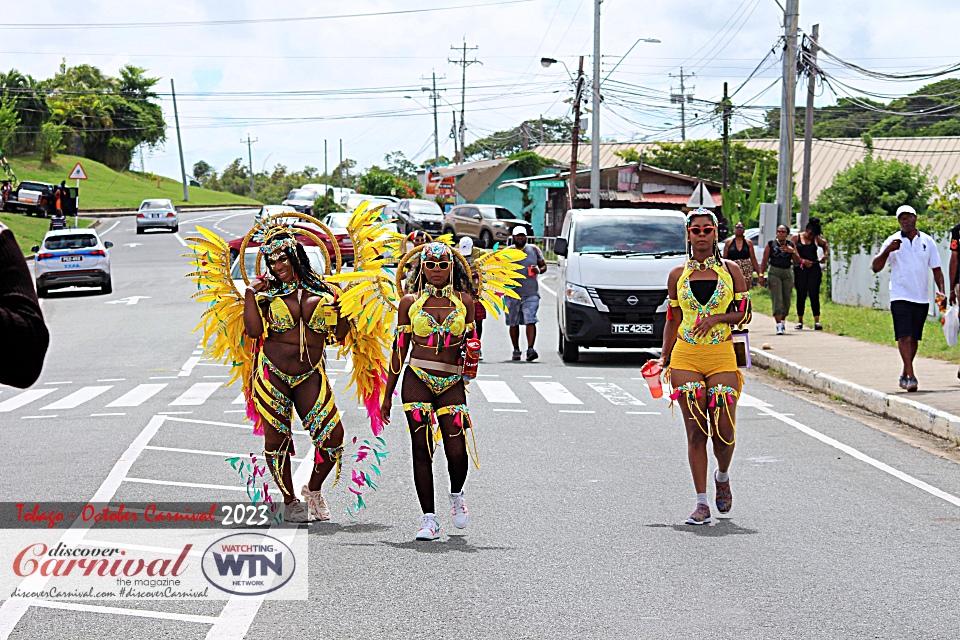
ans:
(524, 310)
(911, 253)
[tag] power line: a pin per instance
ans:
(221, 23)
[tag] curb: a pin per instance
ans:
(914, 414)
(116, 213)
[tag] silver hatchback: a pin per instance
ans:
(157, 214)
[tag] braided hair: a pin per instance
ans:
(461, 281)
(300, 264)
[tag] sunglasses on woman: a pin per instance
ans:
(434, 265)
(701, 230)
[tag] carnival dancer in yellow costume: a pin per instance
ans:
(708, 296)
(276, 336)
(436, 319)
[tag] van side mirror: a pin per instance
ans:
(560, 247)
(35, 248)
(107, 244)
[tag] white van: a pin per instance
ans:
(613, 266)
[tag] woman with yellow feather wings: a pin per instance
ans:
(434, 322)
(275, 336)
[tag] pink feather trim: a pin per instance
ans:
(372, 404)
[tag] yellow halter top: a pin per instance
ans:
(693, 311)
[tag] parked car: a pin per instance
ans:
(302, 200)
(157, 214)
(351, 201)
(487, 224)
(414, 215)
(613, 266)
(314, 255)
(338, 193)
(33, 198)
(72, 258)
(337, 221)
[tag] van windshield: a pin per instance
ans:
(629, 234)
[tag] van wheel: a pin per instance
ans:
(570, 350)
(486, 239)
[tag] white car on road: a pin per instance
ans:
(72, 258)
(157, 214)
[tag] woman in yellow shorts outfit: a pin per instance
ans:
(708, 296)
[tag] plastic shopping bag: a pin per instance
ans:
(951, 325)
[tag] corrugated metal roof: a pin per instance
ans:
(829, 155)
(472, 185)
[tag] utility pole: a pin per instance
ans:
(524, 137)
(811, 65)
(176, 119)
(453, 134)
(577, 100)
(463, 62)
(595, 142)
(340, 170)
(435, 96)
(326, 176)
(726, 136)
(539, 142)
(249, 142)
(683, 98)
(787, 114)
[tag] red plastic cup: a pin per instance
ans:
(651, 375)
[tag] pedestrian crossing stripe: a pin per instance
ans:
(138, 395)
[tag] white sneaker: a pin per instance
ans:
(781, 330)
(429, 528)
(316, 503)
(458, 508)
(296, 512)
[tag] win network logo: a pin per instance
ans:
(248, 564)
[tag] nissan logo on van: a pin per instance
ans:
(632, 300)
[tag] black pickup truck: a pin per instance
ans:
(38, 198)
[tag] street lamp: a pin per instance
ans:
(624, 57)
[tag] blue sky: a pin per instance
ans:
(217, 68)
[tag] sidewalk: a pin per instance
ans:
(826, 361)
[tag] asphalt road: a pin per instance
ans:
(838, 530)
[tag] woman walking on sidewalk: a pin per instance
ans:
(808, 274)
(740, 250)
(781, 254)
(708, 296)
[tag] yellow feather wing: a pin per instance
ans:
(499, 273)
(224, 334)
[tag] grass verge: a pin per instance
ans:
(869, 325)
(109, 189)
(29, 230)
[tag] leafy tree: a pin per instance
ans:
(503, 143)
(529, 163)
(9, 120)
(629, 156)
(202, 171)
(874, 186)
(738, 205)
(378, 182)
(704, 159)
(31, 106)
(51, 141)
(398, 165)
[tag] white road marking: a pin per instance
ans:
(548, 289)
(572, 411)
(103, 233)
(37, 417)
(182, 241)
(164, 377)
(55, 383)
(644, 413)
(174, 413)
(555, 393)
(614, 394)
(589, 378)
(138, 395)
(194, 485)
(216, 376)
(239, 399)
(197, 394)
(23, 399)
(129, 300)
(77, 398)
(850, 451)
(512, 410)
(100, 415)
(196, 451)
(537, 376)
(488, 375)
(133, 244)
(235, 411)
(497, 391)
(747, 400)
(112, 380)
(188, 366)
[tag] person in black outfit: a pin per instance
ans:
(25, 336)
(808, 274)
(740, 249)
(954, 271)
(780, 253)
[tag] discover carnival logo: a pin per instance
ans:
(248, 564)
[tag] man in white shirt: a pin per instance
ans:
(910, 253)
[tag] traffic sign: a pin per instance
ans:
(78, 173)
(548, 184)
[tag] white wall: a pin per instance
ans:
(855, 283)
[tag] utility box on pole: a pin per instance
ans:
(768, 225)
